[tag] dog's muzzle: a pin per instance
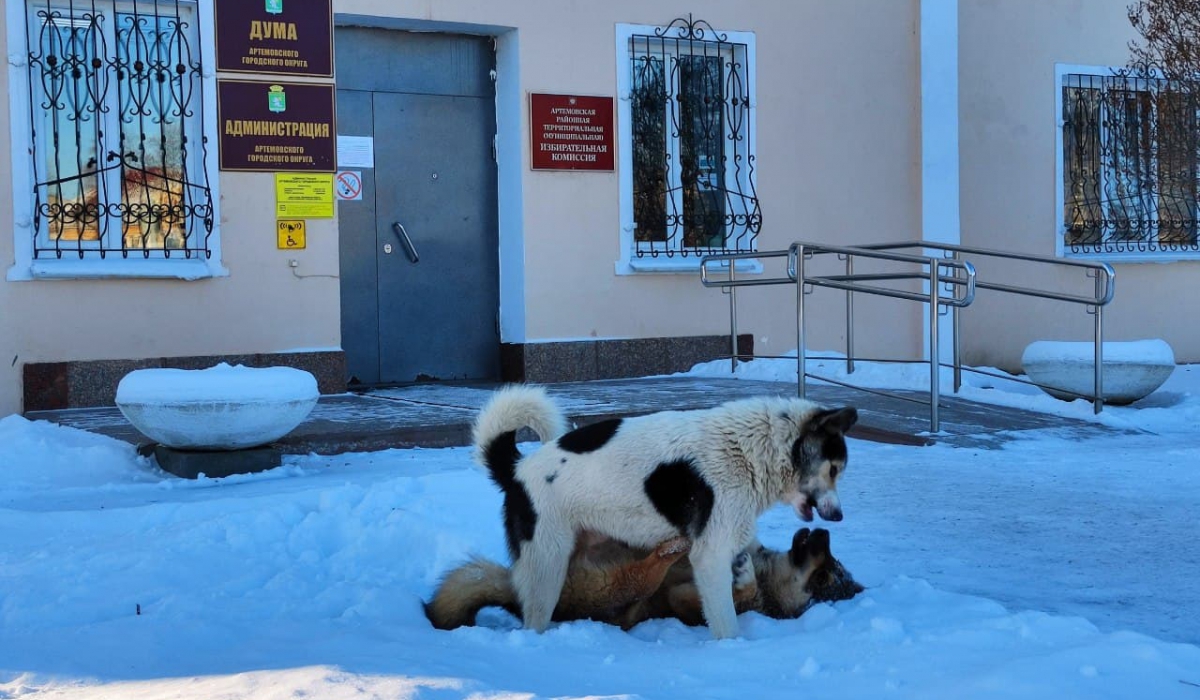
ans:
(828, 506)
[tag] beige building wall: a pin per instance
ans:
(1008, 52)
(838, 120)
(838, 151)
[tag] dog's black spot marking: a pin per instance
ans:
(563, 460)
(681, 495)
(591, 437)
(520, 519)
(501, 456)
(551, 477)
(833, 449)
(813, 448)
(823, 438)
(800, 457)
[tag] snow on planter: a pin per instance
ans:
(220, 408)
(1132, 369)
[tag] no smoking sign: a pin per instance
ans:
(348, 185)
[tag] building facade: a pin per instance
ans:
(1057, 159)
(520, 190)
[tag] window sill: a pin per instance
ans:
(679, 266)
(1130, 258)
(193, 269)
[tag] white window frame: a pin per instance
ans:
(629, 263)
(25, 266)
(1060, 225)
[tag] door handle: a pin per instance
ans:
(405, 241)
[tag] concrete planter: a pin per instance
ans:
(219, 408)
(1132, 369)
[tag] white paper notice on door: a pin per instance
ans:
(355, 151)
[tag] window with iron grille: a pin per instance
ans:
(1129, 165)
(686, 118)
(116, 110)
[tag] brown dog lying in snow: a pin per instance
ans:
(610, 582)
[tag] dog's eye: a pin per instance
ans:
(833, 471)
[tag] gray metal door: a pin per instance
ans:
(419, 253)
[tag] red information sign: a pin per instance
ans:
(571, 132)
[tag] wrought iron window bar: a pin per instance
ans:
(99, 66)
(1131, 162)
(693, 167)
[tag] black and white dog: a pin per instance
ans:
(706, 475)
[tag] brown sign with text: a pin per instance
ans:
(571, 132)
(276, 126)
(293, 37)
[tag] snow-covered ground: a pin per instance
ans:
(1050, 568)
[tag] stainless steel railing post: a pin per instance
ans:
(849, 317)
(934, 364)
(800, 352)
(1098, 378)
(733, 350)
(956, 350)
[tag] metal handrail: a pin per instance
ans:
(948, 273)
(955, 277)
(730, 260)
(1105, 289)
(730, 287)
(844, 282)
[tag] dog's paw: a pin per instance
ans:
(743, 569)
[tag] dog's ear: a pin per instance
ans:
(835, 420)
(799, 551)
(818, 543)
(811, 550)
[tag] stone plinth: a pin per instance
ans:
(213, 464)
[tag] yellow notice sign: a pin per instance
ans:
(303, 196)
(290, 234)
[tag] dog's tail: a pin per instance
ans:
(495, 433)
(478, 584)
